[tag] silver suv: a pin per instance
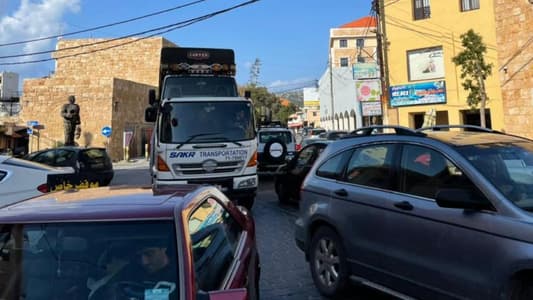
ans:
(277, 145)
(438, 213)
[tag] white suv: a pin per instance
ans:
(277, 145)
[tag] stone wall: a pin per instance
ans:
(514, 20)
(129, 102)
(111, 87)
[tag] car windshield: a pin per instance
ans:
(199, 86)
(206, 122)
(107, 260)
(267, 136)
(508, 166)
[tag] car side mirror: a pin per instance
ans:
(150, 114)
(234, 294)
(151, 97)
(460, 198)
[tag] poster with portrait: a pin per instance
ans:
(425, 63)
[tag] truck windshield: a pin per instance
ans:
(199, 86)
(207, 122)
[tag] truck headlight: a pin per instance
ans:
(251, 182)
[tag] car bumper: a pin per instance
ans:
(234, 187)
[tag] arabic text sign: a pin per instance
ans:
(365, 70)
(419, 93)
(371, 109)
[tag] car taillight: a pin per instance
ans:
(298, 147)
(43, 188)
(162, 165)
(253, 160)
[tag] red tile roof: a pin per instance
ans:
(363, 22)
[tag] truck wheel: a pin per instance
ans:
(247, 202)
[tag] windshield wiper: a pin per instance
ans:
(192, 137)
(225, 139)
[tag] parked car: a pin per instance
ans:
(125, 242)
(92, 165)
(314, 132)
(277, 145)
(429, 214)
(21, 179)
(333, 134)
(287, 183)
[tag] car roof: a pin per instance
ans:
(469, 135)
(103, 203)
(274, 129)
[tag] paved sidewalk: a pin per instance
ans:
(134, 163)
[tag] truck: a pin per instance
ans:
(204, 132)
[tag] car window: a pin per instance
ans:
(333, 167)
(425, 171)
(46, 157)
(267, 136)
(63, 156)
(94, 159)
(2, 175)
(215, 236)
(371, 166)
(86, 260)
(305, 155)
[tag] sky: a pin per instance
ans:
(289, 37)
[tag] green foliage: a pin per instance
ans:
(268, 105)
(474, 69)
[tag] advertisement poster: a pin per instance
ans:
(368, 90)
(365, 71)
(425, 64)
(371, 109)
(433, 92)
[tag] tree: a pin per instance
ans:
(254, 72)
(267, 105)
(474, 71)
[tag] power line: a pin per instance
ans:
(104, 26)
(159, 30)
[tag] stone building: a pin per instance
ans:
(514, 20)
(110, 79)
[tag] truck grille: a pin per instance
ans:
(197, 169)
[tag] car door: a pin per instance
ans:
(300, 167)
(220, 248)
(436, 251)
(361, 207)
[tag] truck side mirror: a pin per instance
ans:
(151, 96)
(150, 114)
(247, 94)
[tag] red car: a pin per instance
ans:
(184, 242)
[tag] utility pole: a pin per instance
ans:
(379, 7)
(331, 91)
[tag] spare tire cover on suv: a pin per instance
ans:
(275, 150)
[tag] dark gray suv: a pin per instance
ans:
(438, 213)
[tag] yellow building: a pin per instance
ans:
(423, 36)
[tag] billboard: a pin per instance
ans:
(432, 92)
(371, 109)
(368, 90)
(311, 103)
(365, 70)
(425, 63)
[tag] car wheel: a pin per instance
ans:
(282, 193)
(328, 263)
(247, 202)
(522, 289)
(275, 151)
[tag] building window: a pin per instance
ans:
(344, 61)
(314, 114)
(421, 9)
(360, 59)
(343, 43)
(360, 43)
(467, 5)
